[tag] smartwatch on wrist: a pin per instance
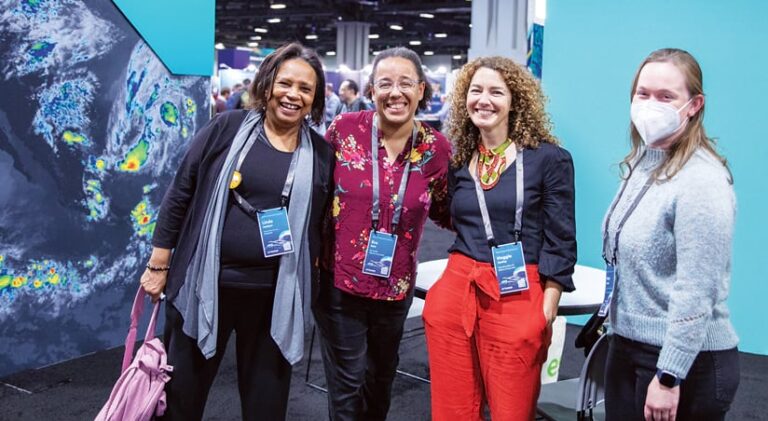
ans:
(668, 379)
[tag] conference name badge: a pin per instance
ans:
(379, 254)
(610, 281)
(276, 238)
(509, 263)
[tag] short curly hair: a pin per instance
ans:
(529, 124)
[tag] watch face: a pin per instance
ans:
(668, 380)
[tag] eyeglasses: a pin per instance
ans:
(404, 85)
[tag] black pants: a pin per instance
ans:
(263, 375)
(705, 394)
(360, 341)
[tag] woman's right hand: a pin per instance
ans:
(153, 282)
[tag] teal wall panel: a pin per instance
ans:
(592, 50)
(181, 32)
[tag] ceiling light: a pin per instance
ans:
(273, 20)
(396, 27)
(441, 35)
(241, 48)
(256, 38)
(373, 36)
(277, 6)
(376, 53)
(260, 30)
(470, 25)
(311, 36)
(426, 15)
(429, 53)
(219, 46)
(253, 44)
(414, 42)
(457, 57)
(442, 69)
(330, 53)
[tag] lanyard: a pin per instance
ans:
(518, 205)
(288, 180)
(631, 209)
(375, 210)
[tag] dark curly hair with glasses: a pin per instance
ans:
(411, 56)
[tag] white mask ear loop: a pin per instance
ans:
(685, 105)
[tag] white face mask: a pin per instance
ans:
(656, 120)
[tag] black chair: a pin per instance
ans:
(583, 396)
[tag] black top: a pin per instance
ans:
(243, 264)
(549, 230)
(180, 218)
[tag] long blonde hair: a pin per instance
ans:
(693, 136)
(528, 122)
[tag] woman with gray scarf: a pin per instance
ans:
(237, 238)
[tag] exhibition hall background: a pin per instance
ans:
(100, 99)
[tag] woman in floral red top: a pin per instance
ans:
(361, 315)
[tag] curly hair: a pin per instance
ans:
(528, 122)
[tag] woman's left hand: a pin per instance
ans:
(550, 312)
(661, 402)
(552, 291)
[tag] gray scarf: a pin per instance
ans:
(198, 298)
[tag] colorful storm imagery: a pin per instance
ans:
(92, 129)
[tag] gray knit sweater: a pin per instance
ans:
(674, 261)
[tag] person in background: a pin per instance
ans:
(349, 93)
(220, 272)
(221, 100)
(668, 237)
(390, 174)
(512, 200)
(239, 98)
(332, 104)
(236, 90)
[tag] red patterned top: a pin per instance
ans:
(426, 193)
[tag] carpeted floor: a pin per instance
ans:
(76, 389)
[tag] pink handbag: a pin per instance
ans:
(139, 393)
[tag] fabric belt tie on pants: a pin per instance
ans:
(483, 277)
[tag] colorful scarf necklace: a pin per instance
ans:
(491, 163)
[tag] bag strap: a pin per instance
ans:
(136, 311)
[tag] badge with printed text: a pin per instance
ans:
(276, 238)
(379, 254)
(509, 263)
(610, 281)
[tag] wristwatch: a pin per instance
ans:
(668, 379)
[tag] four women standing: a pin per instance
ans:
(508, 195)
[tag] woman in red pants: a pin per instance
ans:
(487, 318)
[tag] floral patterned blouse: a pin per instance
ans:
(426, 194)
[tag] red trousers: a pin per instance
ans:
(484, 347)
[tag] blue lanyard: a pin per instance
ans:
(635, 202)
(288, 180)
(375, 210)
(519, 191)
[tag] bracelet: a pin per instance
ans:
(158, 268)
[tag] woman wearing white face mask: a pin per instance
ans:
(667, 235)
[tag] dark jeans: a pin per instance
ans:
(360, 341)
(263, 375)
(705, 394)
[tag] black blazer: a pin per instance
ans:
(181, 214)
